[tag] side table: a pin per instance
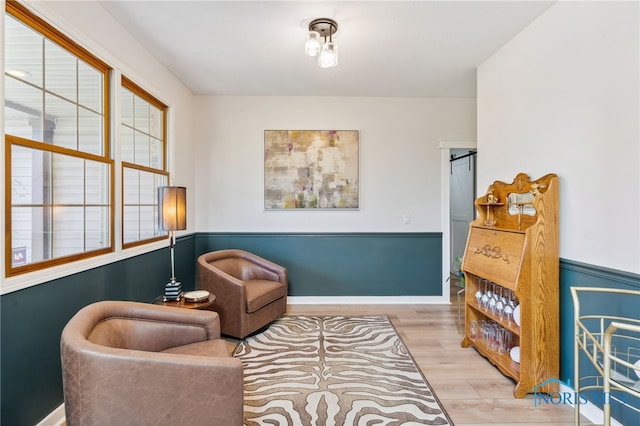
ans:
(183, 304)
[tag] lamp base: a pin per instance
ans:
(172, 291)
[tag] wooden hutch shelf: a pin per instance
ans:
(512, 251)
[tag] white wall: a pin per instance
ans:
(399, 160)
(562, 97)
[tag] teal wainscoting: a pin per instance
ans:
(32, 321)
(345, 264)
(574, 274)
(357, 264)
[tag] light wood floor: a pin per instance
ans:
(472, 391)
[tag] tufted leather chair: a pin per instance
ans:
(126, 363)
(250, 291)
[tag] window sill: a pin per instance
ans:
(31, 279)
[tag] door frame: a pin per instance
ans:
(445, 146)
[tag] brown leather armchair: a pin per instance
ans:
(250, 291)
(136, 363)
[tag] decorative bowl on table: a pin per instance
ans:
(196, 296)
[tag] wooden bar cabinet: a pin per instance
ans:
(512, 251)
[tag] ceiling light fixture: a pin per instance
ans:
(327, 53)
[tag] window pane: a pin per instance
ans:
(131, 225)
(29, 234)
(148, 222)
(141, 149)
(23, 52)
(62, 116)
(60, 71)
(155, 146)
(131, 186)
(42, 229)
(140, 204)
(155, 122)
(161, 180)
(22, 176)
(96, 183)
(126, 146)
(96, 232)
(90, 132)
(90, 87)
(142, 131)
(30, 176)
(141, 114)
(23, 110)
(68, 231)
(147, 188)
(126, 106)
(68, 179)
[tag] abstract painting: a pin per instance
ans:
(311, 169)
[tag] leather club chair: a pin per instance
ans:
(250, 291)
(126, 363)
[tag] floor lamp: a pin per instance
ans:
(172, 216)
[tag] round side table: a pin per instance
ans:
(183, 304)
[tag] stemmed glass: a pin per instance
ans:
(504, 294)
(508, 307)
(479, 291)
(500, 302)
(492, 298)
(486, 294)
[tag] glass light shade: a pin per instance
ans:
(329, 55)
(172, 208)
(312, 46)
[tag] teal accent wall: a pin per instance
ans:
(345, 264)
(32, 320)
(575, 274)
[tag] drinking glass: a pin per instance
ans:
(493, 335)
(502, 337)
(509, 341)
(473, 329)
(485, 330)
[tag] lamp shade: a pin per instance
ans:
(172, 208)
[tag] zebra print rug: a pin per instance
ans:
(334, 370)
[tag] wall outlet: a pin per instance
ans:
(406, 218)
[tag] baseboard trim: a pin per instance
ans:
(55, 418)
(592, 412)
(368, 300)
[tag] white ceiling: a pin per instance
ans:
(387, 48)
